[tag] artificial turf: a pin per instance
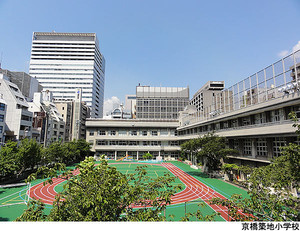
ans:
(16, 194)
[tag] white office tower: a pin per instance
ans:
(64, 62)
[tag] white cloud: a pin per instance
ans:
(287, 52)
(296, 47)
(110, 104)
(283, 53)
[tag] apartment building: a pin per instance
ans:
(48, 123)
(160, 102)
(117, 138)
(254, 118)
(205, 96)
(64, 62)
(65, 108)
(18, 118)
(74, 113)
(27, 84)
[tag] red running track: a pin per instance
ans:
(194, 190)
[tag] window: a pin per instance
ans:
(144, 133)
(122, 133)
(155, 143)
(247, 147)
(173, 143)
(261, 147)
(276, 115)
(2, 106)
(260, 118)
(122, 143)
(112, 133)
(154, 133)
(133, 133)
(1, 129)
(132, 143)
(278, 142)
(91, 133)
(101, 142)
(113, 142)
(246, 121)
(236, 144)
(164, 132)
(101, 133)
(1, 118)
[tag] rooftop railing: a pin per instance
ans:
(275, 81)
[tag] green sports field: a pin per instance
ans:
(17, 194)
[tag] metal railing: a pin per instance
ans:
(275, 81)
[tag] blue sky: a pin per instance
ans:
(160, 43)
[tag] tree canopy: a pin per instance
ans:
(16, 159)
(209, 149)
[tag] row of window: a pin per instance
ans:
(137, 154)
(261, 146)
(133, 143)
(158, 109)
(133, 133)
(260, 118)
(150, 115)
(162, 102)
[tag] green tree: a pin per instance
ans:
(9, 159)
(30, 153)
(213, 151)
(55, 153)
(101, 193)
(35, 212)
(191, 148)
(209, 149)
(271, 194)
(84, 148)
(147, 156)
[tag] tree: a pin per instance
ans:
(147, 156)
(213, 151)
(84, 148)
(30, 153)
(9, 159)
(101, 193)
(35, 212)
(271, 197)
(191, 148)
(210, 149)
(55, 153)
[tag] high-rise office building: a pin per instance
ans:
(64, 62)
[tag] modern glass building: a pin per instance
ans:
(160, 102)
(64, 62)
